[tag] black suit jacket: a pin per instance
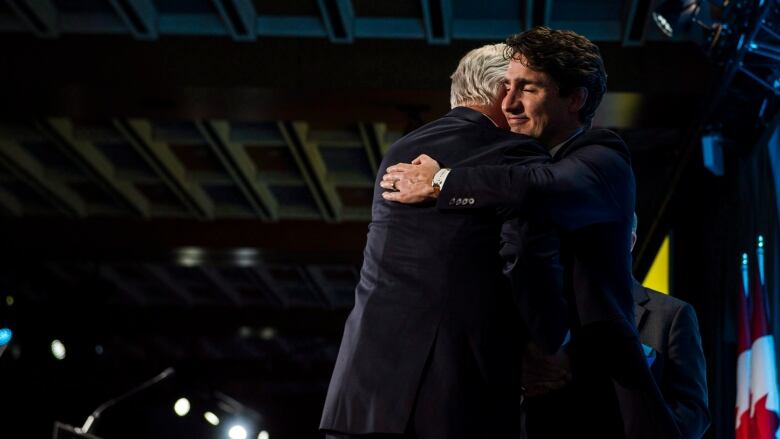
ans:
(428, 278)
(588, 192)
(670, 328)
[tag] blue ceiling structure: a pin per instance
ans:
(340, 21)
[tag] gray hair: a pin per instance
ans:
(479, 76)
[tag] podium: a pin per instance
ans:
(65, 431)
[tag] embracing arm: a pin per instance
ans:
(580, 189)
(592, 184)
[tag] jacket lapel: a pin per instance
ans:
(640, 300)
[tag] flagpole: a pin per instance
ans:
(745, 275)
(742, 426)
(760, 257)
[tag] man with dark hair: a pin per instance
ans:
(554, 83)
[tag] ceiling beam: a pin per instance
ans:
(635, 18)
(10, 203)
(29, 170)
(311, 168)
(102, 171)
(140, 17)
(239, 17)
(372, 135)
(161, 159)
(240, 167)
(338, 17)
(538, 13)
(317, 290)
(162, 276)
(130, 291)
(41, 16)
(222, 285)
(437, 17)
(261, 275)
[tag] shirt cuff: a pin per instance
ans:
(440, 177)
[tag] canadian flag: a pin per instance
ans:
(742, 428)
(764, 403)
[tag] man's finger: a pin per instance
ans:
(420, 158)
(386, 184)
(391, 196)
(399, 167)
(424, 158)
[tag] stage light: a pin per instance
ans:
(189, 256)
(211, 418)
(182, 406)
(237, 432)
(99, 349)
(5, 336)
(670, 14)
(9, 300)
(58, 350)
(267, 333)
(246, 257)
(263, 435)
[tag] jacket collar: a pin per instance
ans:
(561, 149)
(471, 116)
(554, 150)
(640, 299)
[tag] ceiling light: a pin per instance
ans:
(669, 15)
(182, 406)
(58, 350)
(237, 432)
(211, 418)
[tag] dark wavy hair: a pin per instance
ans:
(570, 59)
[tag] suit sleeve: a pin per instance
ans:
(574, 192)
(685, 376)
(531, 254)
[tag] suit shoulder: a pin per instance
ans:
(665, 301)
(602, 137)
(522, 143)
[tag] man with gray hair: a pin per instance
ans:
(432, 346)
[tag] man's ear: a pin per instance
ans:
(577, 99)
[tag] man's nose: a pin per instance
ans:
(511, 103)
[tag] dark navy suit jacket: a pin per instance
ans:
(428, 277)
(588, 193)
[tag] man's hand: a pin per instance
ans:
(543, 373)
(411, 183)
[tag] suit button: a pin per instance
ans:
(471, 201)
(452, 201)
(459, 201)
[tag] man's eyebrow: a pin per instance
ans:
(522, 81)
